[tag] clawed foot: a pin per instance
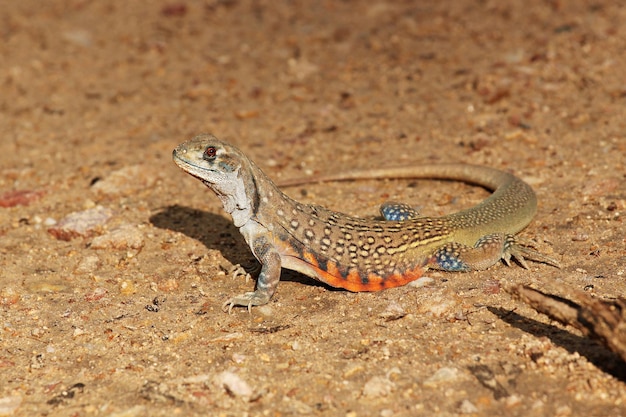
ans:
(520, 251)
(248, 300)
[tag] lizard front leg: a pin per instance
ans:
(268, 279)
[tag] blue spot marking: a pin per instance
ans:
(397, 211)
(448, 262)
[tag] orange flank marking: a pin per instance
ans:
(331, 268)
(354, 282)
(373, 282)
(310, 258)
(331, 274)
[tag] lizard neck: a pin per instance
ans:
(251, 191)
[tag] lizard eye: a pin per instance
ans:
(210, 153)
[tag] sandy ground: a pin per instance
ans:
(123, 317)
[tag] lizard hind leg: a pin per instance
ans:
(393, 211)
(487, 251)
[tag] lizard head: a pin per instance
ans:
(224, 169)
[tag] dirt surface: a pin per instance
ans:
(116, 309)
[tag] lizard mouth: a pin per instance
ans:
(193, 169)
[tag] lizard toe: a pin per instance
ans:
(248, 300)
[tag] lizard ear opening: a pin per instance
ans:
(209, 153)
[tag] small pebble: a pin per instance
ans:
(234, 384)
(394, 311)
(491, 286)
(563, 411)
(49, 221)
(127, 180)
(239, 358)
(438, 306)
(196, 379)
(78, 37)
(19, 198)
(9, 404)
(138, 410)
(467, 407)
(124, 237)
(443, 375)
(246, 114)
(227, 337)
(87, 264)
(421, 282)
(47, 287)
(513, 400)
(81, 223)
(378, 386)
(96, 294)
(127, 287)
(168, 285)
(8, 296)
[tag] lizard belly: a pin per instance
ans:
(350, 278)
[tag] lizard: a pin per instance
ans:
(354, 253)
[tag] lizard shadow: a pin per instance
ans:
(605, 360)
(216, 232)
